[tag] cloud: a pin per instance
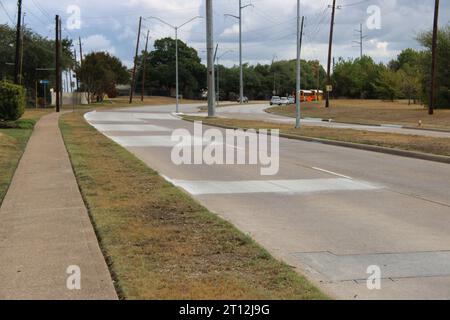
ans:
(98, 42)
(268, 28)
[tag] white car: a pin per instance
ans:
(291, 100)
(276, 100)
(285, 100)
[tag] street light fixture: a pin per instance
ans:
(176, 51)
(241, 76)
(218, 68)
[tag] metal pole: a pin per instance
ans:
(241, 72)
(434, 59)
(133, 81)
(218, 82)
(299, 46)
(361, 39)
(330, 44)
(18, 34)
(210, 54)
(57, 71)
(176, 71)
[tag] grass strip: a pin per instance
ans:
(159, 242)
(424, 144)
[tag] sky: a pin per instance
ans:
(268, 26)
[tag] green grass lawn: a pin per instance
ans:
(158, 241)
(13, 141)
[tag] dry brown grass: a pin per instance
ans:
(372, 112)
(159, 242)
(439, 146)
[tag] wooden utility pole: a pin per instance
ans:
(434, 59)
(21, 50)
(330, 46)
(144, 63)
(18, 37)
(81, 50)
(57, 65)
(133, 80)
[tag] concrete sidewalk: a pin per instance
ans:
(45, 227)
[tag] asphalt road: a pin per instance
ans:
(257, 112)
(331, 212)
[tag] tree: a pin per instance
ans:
(443, 75)
(39, 52)
(100, 73)
(389, 84)
(160, 71)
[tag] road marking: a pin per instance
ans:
(333, 173)
(130, 128)
(154, 141)
(302, 186)
(127, 116)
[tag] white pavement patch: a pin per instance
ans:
(127, 116)
(154, 141)
(393, 265)
(272, 186)
(130, 128)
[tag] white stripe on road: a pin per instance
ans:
(130, 128)
(154, 141)
(331, 172)
(271, 186)
(127, 116)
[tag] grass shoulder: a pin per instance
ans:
(159, 242)
(424, 144)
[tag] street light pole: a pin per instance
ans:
(218, 76)
(241, 67)
(176, 28)
(299, 48)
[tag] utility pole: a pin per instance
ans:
(133, 80)
(144, 62)
(360, 42)
(81, 50)
(210, 54)
(299, 50)
(330, 45)
(434, 59)
(18, 36)
(21, 49)
(241, 68)
(61, 88)
(57, 65)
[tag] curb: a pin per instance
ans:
(366, 124)
(359, 146)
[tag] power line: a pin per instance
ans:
(6, 12)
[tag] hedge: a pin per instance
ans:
(12, 101)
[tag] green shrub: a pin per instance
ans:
(12, 101)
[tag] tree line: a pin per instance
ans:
(406, 77)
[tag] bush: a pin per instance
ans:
(12, 101)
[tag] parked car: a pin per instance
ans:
(276, 100)
(291, 100)
(285, 100)
(244, 99)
